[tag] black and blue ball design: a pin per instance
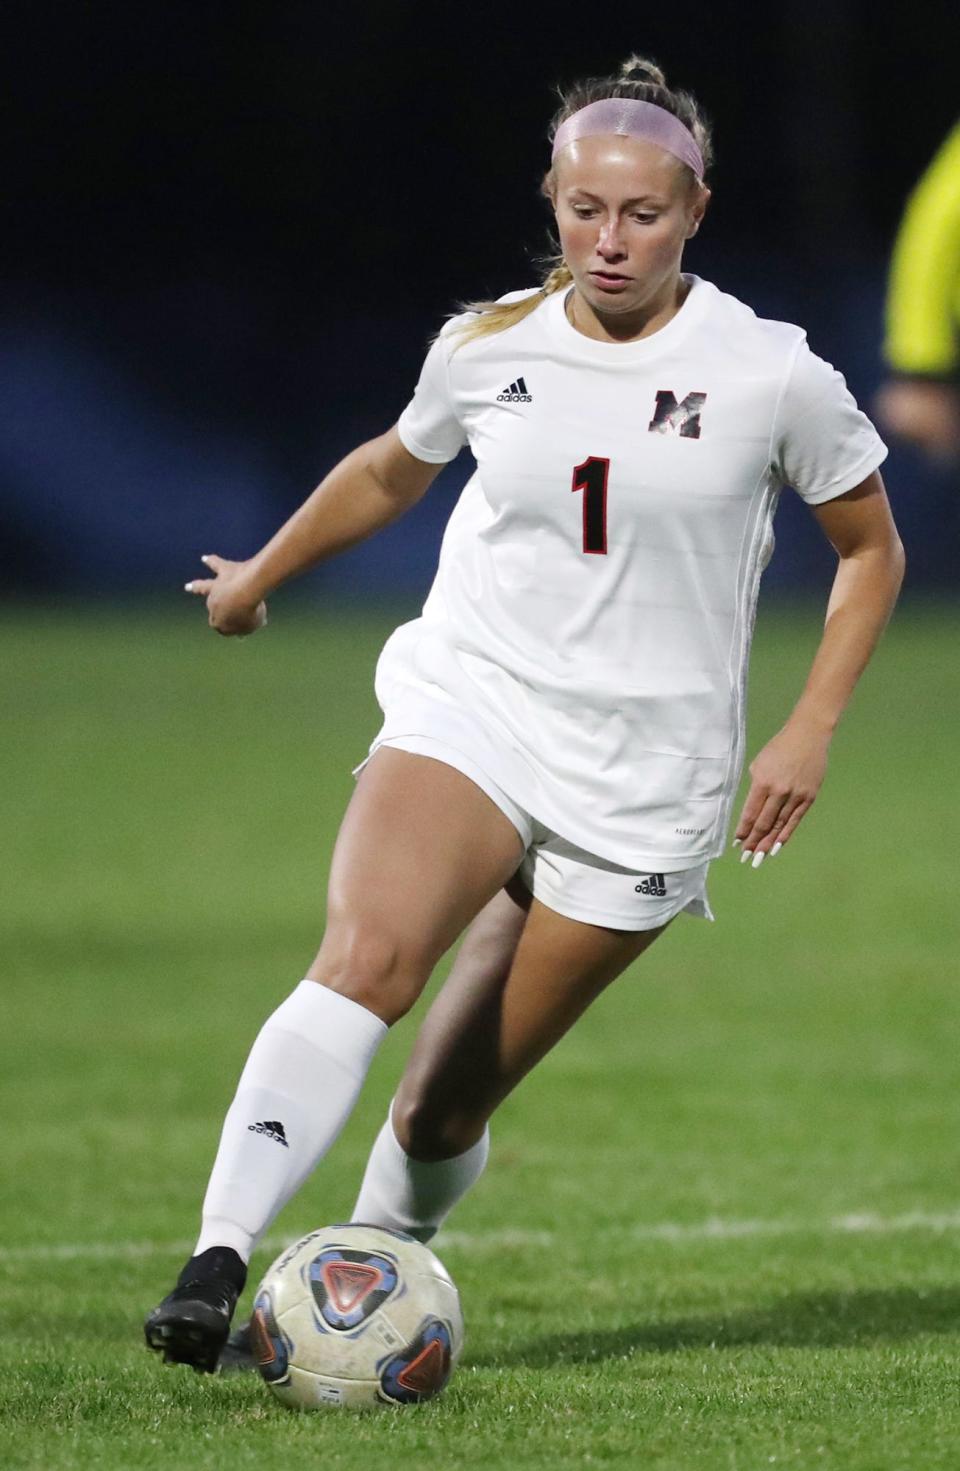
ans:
(348, 1286)
(271, 1347)
(422, 1368)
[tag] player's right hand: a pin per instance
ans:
(233, 608)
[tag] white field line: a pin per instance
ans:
(861, 1223)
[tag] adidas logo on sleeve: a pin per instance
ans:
(516, 393)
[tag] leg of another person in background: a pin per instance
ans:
(522, 977)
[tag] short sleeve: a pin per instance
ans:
(429, 426)
(823, 444)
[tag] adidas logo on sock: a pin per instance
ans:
(273, 1130)
(515, 394)
(654, 883)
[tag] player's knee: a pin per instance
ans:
(375, 970)
(429, 1132)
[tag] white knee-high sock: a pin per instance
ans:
(295, 1094)
(413, 1195)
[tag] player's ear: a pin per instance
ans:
(698, 210)
(548, 188)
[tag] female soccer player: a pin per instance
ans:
(563, 725)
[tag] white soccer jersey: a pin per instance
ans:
(591, 617)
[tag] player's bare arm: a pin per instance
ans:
(369, 488)
(788, 772)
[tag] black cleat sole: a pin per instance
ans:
(194, 1334)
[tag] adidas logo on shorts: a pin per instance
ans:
(516, 393)
(654, 883)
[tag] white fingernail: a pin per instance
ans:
(758, 859)
(205, 557)
(775, 849)
(188, 587)
(747, 853)
(737, 842)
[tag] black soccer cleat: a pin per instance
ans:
(236, 1356)
(192, 1323)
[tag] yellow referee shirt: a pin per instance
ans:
(923, 289)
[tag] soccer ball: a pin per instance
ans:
(358, 1316)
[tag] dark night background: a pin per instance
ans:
(230, 230)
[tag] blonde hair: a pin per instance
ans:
(638, 78)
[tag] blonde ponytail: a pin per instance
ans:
(497, 316)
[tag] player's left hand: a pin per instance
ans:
(786, 776)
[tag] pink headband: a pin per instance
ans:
(637, 120)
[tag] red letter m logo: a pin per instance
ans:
(682, 418)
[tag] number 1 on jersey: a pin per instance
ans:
(591, 478)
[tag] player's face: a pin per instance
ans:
(624, 209)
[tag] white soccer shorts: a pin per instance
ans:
(567, 878)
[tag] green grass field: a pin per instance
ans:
(720, 1226)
